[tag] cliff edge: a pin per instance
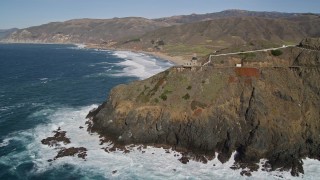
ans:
(269, 112)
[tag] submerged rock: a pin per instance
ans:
(268, 112)
(81, 152)
(59, 136)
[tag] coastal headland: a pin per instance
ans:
(267, 109)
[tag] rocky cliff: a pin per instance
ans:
(267, 112)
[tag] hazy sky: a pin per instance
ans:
(25, 13)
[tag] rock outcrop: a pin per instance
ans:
(267, 112)
(56, 142)
(310, 43)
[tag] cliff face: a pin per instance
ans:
(269, 112)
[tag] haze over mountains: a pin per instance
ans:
(5, 32)
(87, 30)
(179, 34)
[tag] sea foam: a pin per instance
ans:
(139, 65)
(149, 163)
(78, 46)
(5, 142)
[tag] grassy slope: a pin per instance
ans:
(237, 33)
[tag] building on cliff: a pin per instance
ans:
(192, 63)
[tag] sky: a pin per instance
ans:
(26, 13)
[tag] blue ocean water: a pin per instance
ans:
(39, 81)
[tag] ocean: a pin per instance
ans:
(44, 87)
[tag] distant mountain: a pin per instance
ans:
(206, 36)
(87, 30)
(5, 32)
(223, 14)
(180, 35)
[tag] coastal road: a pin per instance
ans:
(245, 52)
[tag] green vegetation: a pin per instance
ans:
(160, 43)
(184, 49)
(247, 55)
(145, 87)
(189, 87)
(132, 40)
(276, 52)
(156, 100)
(186, 96)
(211, 90)
(164, 96)
(143, 98)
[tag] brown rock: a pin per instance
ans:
(81, 152)
(59, 136)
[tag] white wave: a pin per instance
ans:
(154, 163)
(102, 50)
(5, 142)
(97, 75)
(12, 107)
(121, 54)
(6, 108)
(102, 63)
(80, 46)
(139, 65)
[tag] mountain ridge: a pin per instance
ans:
(226, 13)
(128, 26)
(85, 30)
(236, 33)
(179, 35)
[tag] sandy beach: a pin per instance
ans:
(178, 60)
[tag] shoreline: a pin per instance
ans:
(176, 60)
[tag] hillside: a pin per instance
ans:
(86, 30)
(237, 33)
(231, 30)
(269, 112)
(183, 19)
(5, 32)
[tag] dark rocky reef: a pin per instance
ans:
(81, 152)
(270, 112)
(59, 136)
(56, 140)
